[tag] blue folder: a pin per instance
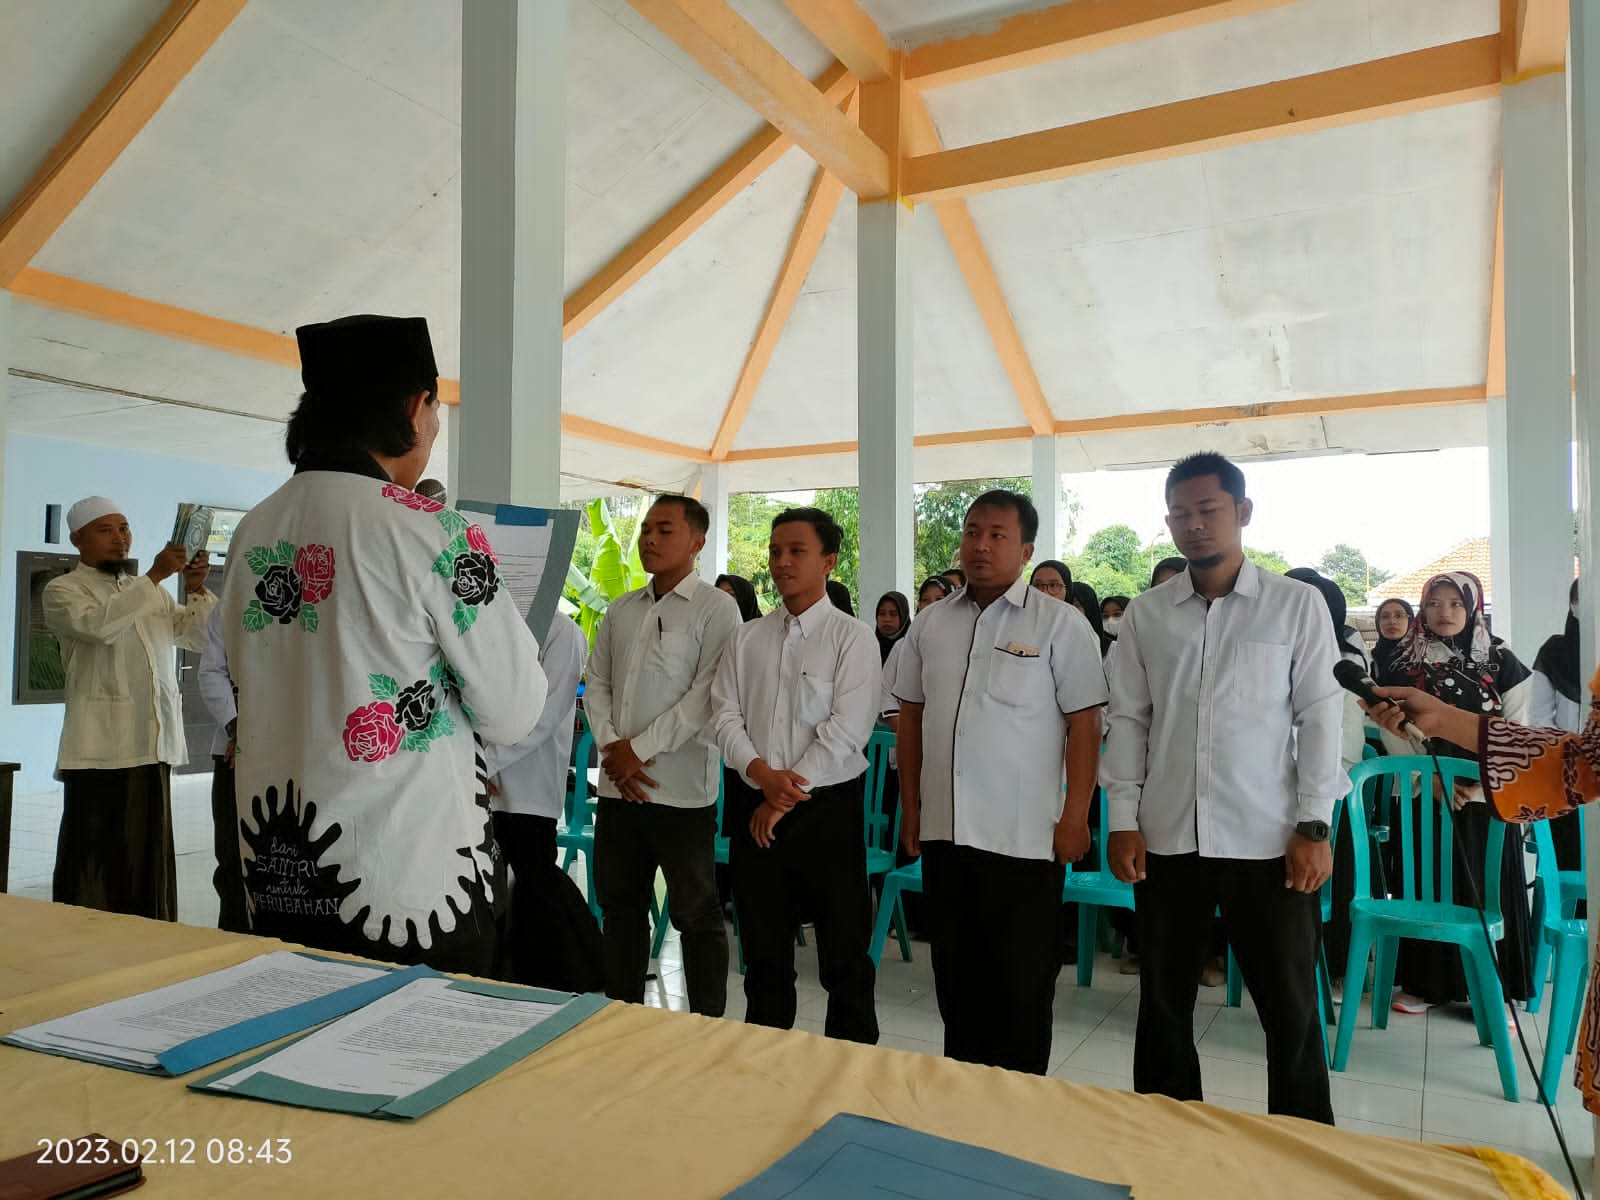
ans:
(857, 1158)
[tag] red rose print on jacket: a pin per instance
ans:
(314, 565)
(479, 541)
(410, 499)
(371, 733)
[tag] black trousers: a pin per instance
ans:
(115, 850)
(817, 863)
(1275, 933)
(630, 842)
(996, 933)
(552, 939)
(228, 878)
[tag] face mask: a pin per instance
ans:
(1112, 624)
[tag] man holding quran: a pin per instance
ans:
(123, 732)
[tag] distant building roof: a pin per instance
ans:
(1472, 556)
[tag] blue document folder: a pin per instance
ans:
(857, 1158)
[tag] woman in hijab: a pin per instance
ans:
(934, 589)
(743, 592)
(1111, 610)
(840, 595)
(1557, 689)
(1450, 654)
(1053, 578)
(1394, 622)
(893, 619)
(1082, 597)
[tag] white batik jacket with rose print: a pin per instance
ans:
(370, 638)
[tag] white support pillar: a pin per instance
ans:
(714, 495)
(1530, 428)
(1047, 496)
(5, 399)
(885, 397)
(513, 229)
(452, 451)
(1583, 77)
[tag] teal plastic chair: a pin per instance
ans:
(882, 834)
(895, 884)
(1564, 943)
(578, 836)
(1091, 891)
(1425, 908)
(1556, 894)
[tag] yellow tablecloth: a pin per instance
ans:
(640, 1102)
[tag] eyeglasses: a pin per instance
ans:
(1058, 588)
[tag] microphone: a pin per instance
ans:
(1352, 678)
(432, 489)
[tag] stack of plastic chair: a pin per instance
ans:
(1563, 945)
(1556, 893)
(897, 882)
(1091, 891)
(1425, 908)
(578, 836)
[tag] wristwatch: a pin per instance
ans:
(1313, 831)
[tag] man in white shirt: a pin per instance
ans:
(554, 941)
(1221, 772)
(123, 731)
(222, 702)
(649, 705)
(793, 707)
(999, 686)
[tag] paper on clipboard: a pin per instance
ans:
(535, 549)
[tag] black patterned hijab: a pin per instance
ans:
(1470, 670)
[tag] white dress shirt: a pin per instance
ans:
(118, 637)
(650, 682)
(532, 775)
(216, 685)
(800, 693)
(997, 685)
(1225, 718)
(1548, 708)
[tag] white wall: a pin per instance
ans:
(41, 471)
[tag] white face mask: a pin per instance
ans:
(1112, 624)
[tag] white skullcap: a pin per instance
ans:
(91, 508)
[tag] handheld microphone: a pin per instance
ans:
(1353, 679)
(432, 489)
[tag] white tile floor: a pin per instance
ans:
(1425, 1078)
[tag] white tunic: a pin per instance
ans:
(369, 637)
(532, 775)
(118, 640)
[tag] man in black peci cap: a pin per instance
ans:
(369, 637)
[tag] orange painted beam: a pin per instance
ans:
(1495, 369)
(1405, 83)
(1076, 27)
(181, 324)
(853, 37)
(177, 41)
(675, 226)
(821, 204)
(732, 52)
(1536, 35)
(1179, 418)
(982, 282)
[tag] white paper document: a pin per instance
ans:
(400, 1044)
(131, 1032)
(534, 547)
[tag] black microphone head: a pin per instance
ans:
(1352, 677)
(431, 488)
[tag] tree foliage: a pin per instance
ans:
(1350, 569)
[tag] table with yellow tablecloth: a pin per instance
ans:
(642, 1102)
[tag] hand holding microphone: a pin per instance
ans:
(1391, 708)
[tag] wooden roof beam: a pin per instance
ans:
(157, 65)
(1534, 33)
(1405, 83)
(1076, 27)
(739, 58)
(845, 28)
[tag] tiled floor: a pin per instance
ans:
(1425, 1078)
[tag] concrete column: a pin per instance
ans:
(1047, 496)
(1583, 77)
(1530, 428)
(714, 495)
(452, 451)
(885, 396)
(513, 228)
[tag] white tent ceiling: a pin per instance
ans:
(308, 166)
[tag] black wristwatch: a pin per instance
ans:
(1313, 831)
